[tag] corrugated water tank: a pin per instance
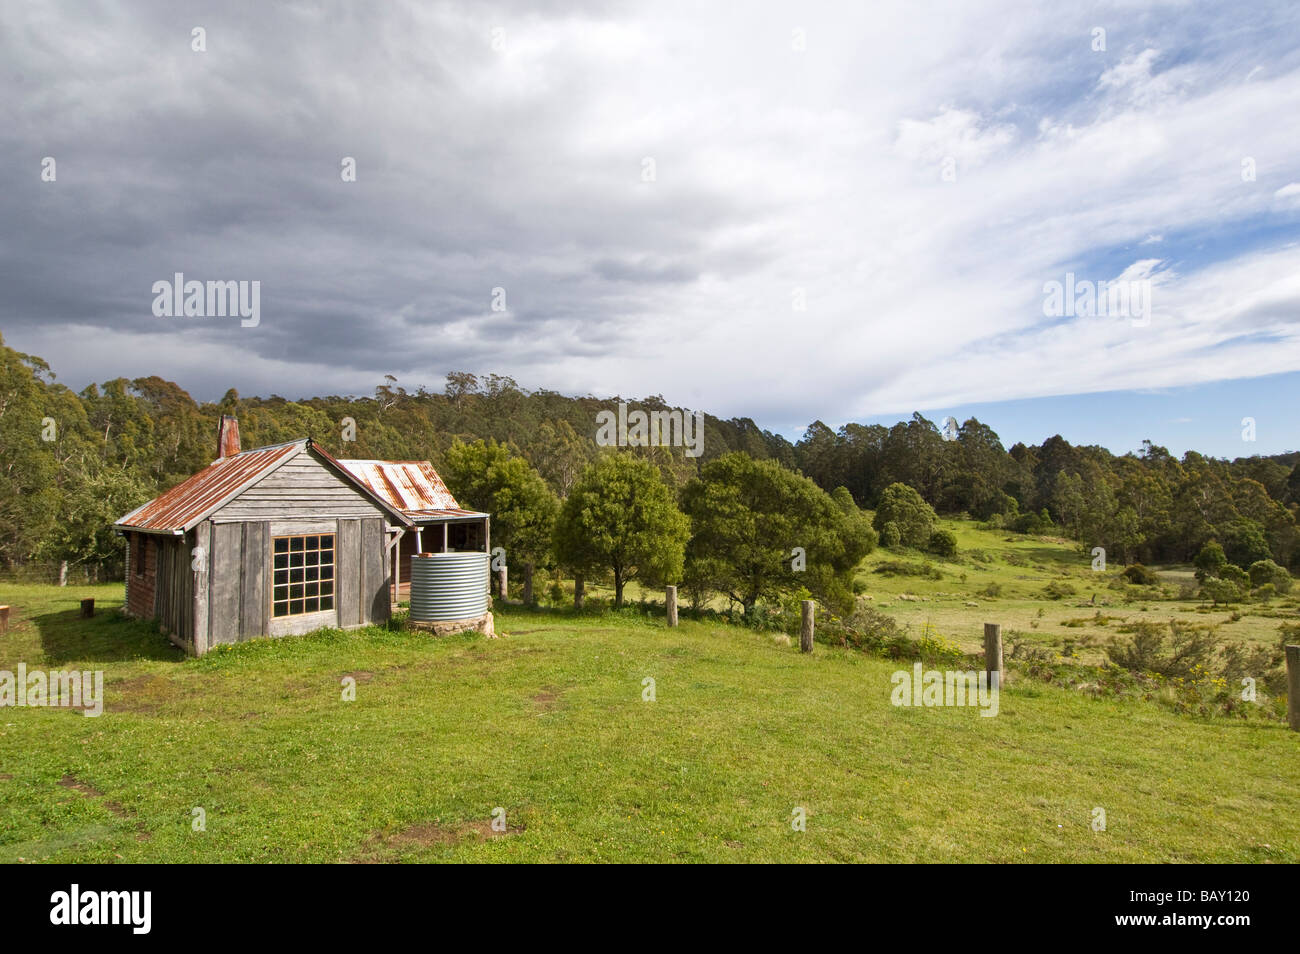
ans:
(448, 586)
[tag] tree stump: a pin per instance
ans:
(87, 608)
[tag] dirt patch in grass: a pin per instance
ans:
(380, 847)
(548, 699)
(86, 790)
(5, 777)
(145, 694)
(361, 675)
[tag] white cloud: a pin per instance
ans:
(958, 133)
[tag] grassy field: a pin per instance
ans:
(549, 724)
(1021, 568)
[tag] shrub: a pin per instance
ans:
(1034, 523)
(1220, 591)
(1137, 573)
(872, 631)
(992, 591)
(1169, 649)
(1059, 589)
(1263, 664)
(1236, 576)
(902, 568)
(943, 543)
(763, 617)
(890, 536)
(1263, 572)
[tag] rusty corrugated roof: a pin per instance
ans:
(186, 504)
(193, 500)
(454, 513)
(412, 486)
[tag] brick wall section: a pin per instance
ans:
(139, 589)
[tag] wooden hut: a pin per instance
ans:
(266, 542)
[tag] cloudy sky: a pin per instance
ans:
(787, 211)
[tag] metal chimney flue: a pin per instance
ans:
(227, 437)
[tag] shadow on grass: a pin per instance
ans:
(108, 636)
(1054, 555)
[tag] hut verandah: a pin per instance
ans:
(438, 523)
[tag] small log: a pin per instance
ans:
(1293, 686)
(670, 601)
(993, 654)
(806, 629)
(88, 608)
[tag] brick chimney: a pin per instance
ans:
(227, 437)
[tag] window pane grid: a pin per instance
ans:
(302, 574)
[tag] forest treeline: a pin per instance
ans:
(73, 462)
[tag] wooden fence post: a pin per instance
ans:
(1293, 686)
(993, 654)
(579, 592)
(806, 630)
(4, 619)
(501, 583)
(670, 601)
(87, 608)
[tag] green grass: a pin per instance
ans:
(548, 722)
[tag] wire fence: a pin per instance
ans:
(70, 574)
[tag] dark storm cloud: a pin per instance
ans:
(225, 165)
